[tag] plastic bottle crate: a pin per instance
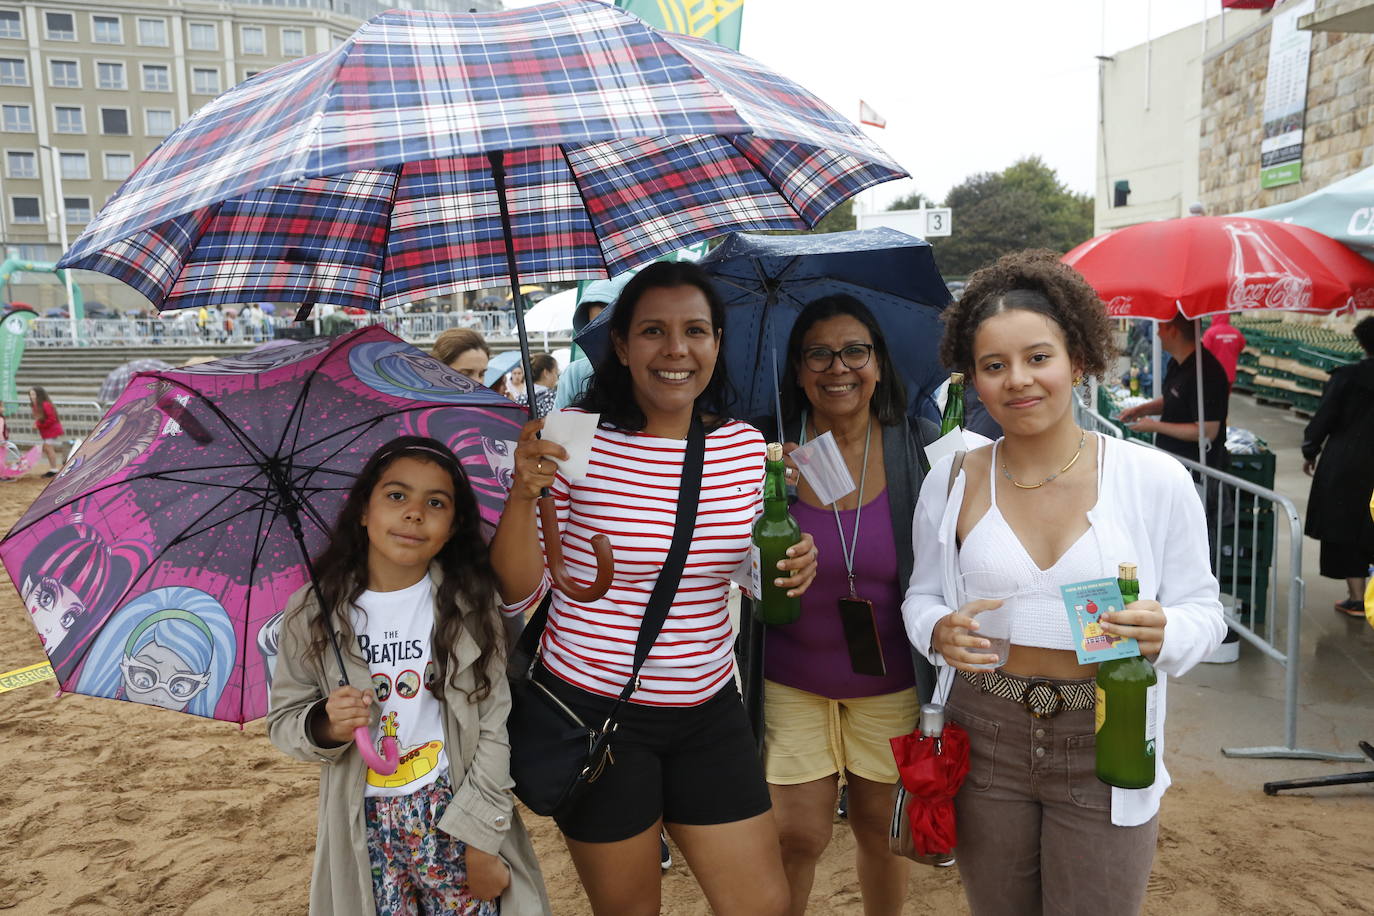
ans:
(1257, 469)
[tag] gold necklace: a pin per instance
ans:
(1083, 437)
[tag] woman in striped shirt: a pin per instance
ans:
(684, 754)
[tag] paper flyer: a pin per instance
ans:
(1085, 603)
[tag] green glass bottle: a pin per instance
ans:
(774, 532)
(1126, 711)
(954, 404)
(1135, 382)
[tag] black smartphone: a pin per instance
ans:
(861, 636)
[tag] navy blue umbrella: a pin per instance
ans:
(766, 280)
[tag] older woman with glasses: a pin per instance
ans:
(825, 703)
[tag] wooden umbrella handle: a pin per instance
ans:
(553, 552)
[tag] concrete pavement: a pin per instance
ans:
(1242, 704)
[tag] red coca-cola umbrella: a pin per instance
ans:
(931, 770)
(1209, 265)
(1206, 265)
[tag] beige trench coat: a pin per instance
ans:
(482, 813)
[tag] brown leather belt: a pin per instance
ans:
(1043, 698)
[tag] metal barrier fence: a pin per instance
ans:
(1244, 526)
(78, 419)
(182, 329)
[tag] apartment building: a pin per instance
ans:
(88, 89)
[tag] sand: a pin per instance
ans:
(110, 807)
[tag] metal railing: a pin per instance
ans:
(1244, 526)
(183, 329)
(78, 419)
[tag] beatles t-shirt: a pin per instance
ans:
(393, 631)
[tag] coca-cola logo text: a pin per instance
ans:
(1259, 292)
(1119, 305)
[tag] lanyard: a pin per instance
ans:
(849, 550)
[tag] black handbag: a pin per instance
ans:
(554, 754)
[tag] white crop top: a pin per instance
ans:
(1039, 618)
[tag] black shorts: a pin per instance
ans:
(685, 764)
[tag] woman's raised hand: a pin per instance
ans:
(536, 462)
(955, 637)
(801, 563)
(1143, 621)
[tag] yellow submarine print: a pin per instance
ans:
(416, 761)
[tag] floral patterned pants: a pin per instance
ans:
(417, 869)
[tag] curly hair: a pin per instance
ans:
(1036, 281)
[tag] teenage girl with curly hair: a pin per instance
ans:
(1050, 504)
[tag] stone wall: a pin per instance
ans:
(1339, 135)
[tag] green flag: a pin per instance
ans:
(717, 20)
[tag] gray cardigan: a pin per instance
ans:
(904, 460)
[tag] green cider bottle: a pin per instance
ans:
(954, 404)
(774, 532)
(1126, 710)
(1135, 382)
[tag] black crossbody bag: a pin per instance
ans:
(554, 755)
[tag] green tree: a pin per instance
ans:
(840, 219)
(1023, 206)
(912, 201)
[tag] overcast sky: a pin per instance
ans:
(965, 85)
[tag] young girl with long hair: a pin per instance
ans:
(683, 751)
(1047, 505)
(48, 425)
(410, 595)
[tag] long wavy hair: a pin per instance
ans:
(467, 596)
(611, 389)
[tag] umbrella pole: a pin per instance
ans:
(497, 158)
(553, 548)
(1201, 420)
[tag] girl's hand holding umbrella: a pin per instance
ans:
(345, 710)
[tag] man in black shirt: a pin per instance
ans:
(1176, 429)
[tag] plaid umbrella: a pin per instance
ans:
(382, 171)
(118, 378)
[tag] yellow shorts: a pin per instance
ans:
(809, 737)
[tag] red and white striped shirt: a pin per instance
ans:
(630, 495)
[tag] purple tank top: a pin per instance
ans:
(811, 654)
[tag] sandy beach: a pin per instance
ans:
(111, 807)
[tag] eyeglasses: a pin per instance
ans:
(143, 679)
(853, 356)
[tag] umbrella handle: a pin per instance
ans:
(553, 552)
(390, 758)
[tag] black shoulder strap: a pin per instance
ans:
(669, 577)
(665, 588)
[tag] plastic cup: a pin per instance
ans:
(994, 624)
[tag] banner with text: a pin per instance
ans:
(1285, 98)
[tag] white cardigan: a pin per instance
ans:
(1148, 512)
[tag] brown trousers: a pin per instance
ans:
(1035, 828)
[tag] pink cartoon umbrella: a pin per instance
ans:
(187, 517)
